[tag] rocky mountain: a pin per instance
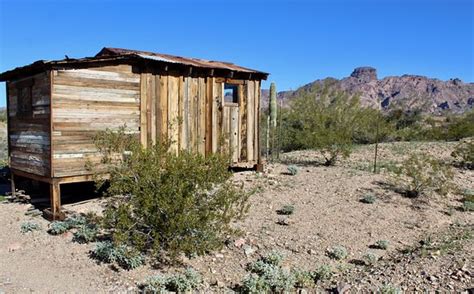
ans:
(407, 92)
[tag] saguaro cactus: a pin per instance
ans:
(273, 106)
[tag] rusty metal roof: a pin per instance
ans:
(196, 62)
(114, 55)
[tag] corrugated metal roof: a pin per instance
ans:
(107, 51)
(125, 55)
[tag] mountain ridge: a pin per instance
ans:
(407, 92)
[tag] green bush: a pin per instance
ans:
(27, 227)
(292, 170)
(381, 244)
(267, 275)
(286, 210)
(179, 283)
(368, 199)
(173, 203)
(322, 273)
(369, 258)
(126, 257)
(58, 227)
(337, 252)
(325, 119)
(85, 234)
(463, 153)
(422, 173)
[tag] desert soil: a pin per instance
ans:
(327, 213)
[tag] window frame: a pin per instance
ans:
(235, 92)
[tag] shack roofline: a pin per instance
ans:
(147, 61)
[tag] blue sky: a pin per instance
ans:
(296, 41)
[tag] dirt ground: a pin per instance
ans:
(327, 213)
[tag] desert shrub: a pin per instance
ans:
(125, 257)
(322, 273)
(381, 244)
(337, 252)
(58, 227)
(75, 221)
(325, 119)
(286, 210)
(179, 283)
(421, 173)
(463, 153)
(369, 258)
(389, 289)
(292, 170)
(303, 279)
(85, 234)
(368, 199)
(468, 205)
(27, 227)
(173, 203)
(267, 275)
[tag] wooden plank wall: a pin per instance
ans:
(86, 101)
(29, 133)
(191, 113)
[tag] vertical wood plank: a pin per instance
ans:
(143, 109)
(181, 112)
(193, 114)
(208, 106)
(149, 102)
(250, 120)
(233, 133)
(164, 107)
(201, 136)
(152, 121)
(185, 129)
(214, 131)
(173, 112)
(243, 121)
(158, 114)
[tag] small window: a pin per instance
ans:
(231, 93)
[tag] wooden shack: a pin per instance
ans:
(56, 107)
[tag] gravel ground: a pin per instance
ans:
(327, 213)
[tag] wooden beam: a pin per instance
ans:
(55, 199)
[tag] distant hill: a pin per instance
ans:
(407, 92)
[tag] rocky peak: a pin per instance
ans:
(365, 74)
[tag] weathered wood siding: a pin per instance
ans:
(29, 131)
(86, 101)
(192, 114)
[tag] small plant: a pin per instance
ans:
(58, 227)
(27, 227)
(292, 170)
(85, 234)
(75, 221)
(179, 283)
(266, 274)
(463, 153)
(369, 258)
(286, 210)
(273, 258)
(324, 272)
(381, 244)
(468, 205)
(368, 199)
(124, 256)
(337, 252)
(389, 289)
(303, 279)
(422, 173)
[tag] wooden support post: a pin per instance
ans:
(55, 198)
(12, 182)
